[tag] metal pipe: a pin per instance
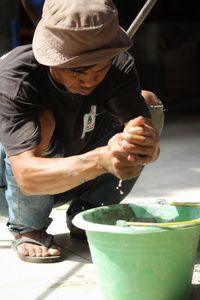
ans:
(30, 11)
(140, 17)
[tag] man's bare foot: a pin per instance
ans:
(33, 250)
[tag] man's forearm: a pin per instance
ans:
(38, 175)
(137, 145)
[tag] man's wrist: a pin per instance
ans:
(101, 161)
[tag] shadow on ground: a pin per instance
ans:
(195, 292)
(73, 249)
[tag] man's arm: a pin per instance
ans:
(37, 175)
(125, 152)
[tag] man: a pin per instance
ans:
(73, 121)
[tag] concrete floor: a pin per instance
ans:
(174, 177)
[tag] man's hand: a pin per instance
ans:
(141, 141)
(127, 152)
(114, 159)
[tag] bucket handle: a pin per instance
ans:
(123, 223)
(174, 203)
(193, 204)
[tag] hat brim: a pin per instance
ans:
(46, 50)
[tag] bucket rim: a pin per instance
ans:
(135, 227)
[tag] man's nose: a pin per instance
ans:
(89, 81)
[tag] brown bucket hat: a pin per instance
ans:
(76, 33)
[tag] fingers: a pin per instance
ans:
(145, 135)
(117, 161)
(131, 154)
(123, 169)
(138, 160)
(141, 155)
(139, 121)
(137, 149)
(141, 143)
(150, 98)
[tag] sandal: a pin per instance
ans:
(34, 259)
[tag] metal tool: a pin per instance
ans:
(31, 12)
(140, 17)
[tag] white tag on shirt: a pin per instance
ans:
(89, 121)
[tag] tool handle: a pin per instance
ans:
(140, 17)
(31, 11)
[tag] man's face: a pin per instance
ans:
(81, 80)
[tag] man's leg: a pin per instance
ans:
(3, 203)
(28, 215)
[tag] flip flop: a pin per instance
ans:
(33, 259)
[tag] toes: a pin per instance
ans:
(54, 252)
(41, 251)
(28, 249)
(22, 250)
(44, 251)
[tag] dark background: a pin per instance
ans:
(166, 47)
(167, 50)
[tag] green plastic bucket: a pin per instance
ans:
(148, 262)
